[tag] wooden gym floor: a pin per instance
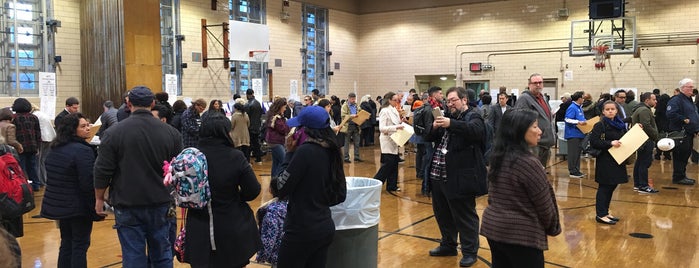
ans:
(408, 230)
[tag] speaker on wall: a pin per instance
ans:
(604, 9)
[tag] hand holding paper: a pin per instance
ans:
(402, 135)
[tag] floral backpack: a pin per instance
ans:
(188, 173)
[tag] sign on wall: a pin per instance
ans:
(47, 93)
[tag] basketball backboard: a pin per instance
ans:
(618, 34)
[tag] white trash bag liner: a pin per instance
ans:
(361, 207)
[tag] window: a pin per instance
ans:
(248, 11)
(315, 28)
(171, 49)
(243, 72)
(24, 46)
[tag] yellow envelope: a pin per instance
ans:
(630, 142)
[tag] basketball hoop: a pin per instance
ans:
(600, 56)
(258, 55)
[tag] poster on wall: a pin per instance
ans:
(257, 87)
(47, 93)
(294, 90)
(568, 76)
(171, 88)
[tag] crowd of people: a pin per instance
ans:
(458, 159)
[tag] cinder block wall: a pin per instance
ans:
(396, 46)
(384, 51)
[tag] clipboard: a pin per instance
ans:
(361, 117)
(587, 128)
(630, 142)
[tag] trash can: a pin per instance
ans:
(562, 142)
(356, 225)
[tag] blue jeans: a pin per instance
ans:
(278, 153)
(27, 161)
(138, 227)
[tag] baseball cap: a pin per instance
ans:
(141, 96)
(311, 117)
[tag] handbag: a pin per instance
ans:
(675, 135)
(594, 152)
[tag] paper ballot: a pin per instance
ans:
(361, 117)
(402, 136)
(587, 128)
(630, 142)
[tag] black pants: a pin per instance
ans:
(510, 255)
(643, 162)
(456, 218)
(255, 146)
(604, 197)
(574, 148)
(419, 159)
(246, 151)
(365, 135)
(388, 172)
(680, 155)
(304, 254)
(75, 240)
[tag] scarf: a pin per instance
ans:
(434, 103)
(615, 123)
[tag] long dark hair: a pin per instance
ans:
(67, 130)
(220, 106)
(327, 136)
(275, 108)
(509, 139)
(387, 99)
(216, 126)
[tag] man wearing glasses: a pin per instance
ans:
(682, 115)
(533, 99)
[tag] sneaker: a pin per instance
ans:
(348, 161)
(684, 181)
(647, 190)
(577, 175)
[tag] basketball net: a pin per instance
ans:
(258, 55)
(600, 56)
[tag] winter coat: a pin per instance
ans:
(233, 184)
(70, 190)
(607, 171)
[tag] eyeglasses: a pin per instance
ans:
(537, 83)
(453, 100)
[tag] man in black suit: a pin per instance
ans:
(254, 110)
(72, 106)
(496, 111)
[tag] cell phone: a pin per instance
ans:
(437, 112)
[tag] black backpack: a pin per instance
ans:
(488, 139)
(422, 120)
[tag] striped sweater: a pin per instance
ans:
(522, 206)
